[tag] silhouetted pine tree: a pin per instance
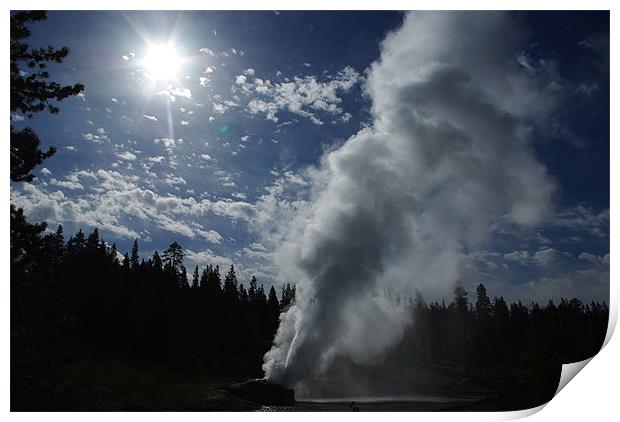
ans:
(183, 278)
(173, 256)
(243, 296)
(273, 309)
(157, 262)
(230, 285)
(134, 260)
(482, 328)
(195, 278)
(252, 290)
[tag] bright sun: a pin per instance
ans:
(162, 62)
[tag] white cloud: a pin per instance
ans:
(168, 142)
(588, 283)
(219, 108)
(210, 235)
(258, 247)
(225, 178)
(157, 159)
(235, 210)
(55, 208)
(544, 257)
(115, 202)
(98, 137)
(583, 218)
(270, 109)
(67, 184)
(480, 260)
(174, 92)
(548, 256)
(175, 180)
(206, 257)
(587, 89)
(598, 261)
(304, 96)
(181, 92)
(127, 156)
(517, 256)
(295, 178)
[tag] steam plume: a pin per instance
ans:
(447, 156)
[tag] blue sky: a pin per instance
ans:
(225, 154)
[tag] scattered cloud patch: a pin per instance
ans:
(127, 156)
(305, 96)
(210, 235)
(67, 184)
(99, 136)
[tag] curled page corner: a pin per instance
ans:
(569, 370)
(518, 414)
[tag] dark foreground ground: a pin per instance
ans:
(120, 386)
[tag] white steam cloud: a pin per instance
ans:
(446, 158)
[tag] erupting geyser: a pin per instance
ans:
(447, 158)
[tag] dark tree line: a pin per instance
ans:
(82, 294)
(511, 347)
(489, 333)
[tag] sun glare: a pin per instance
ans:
(162, 62)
